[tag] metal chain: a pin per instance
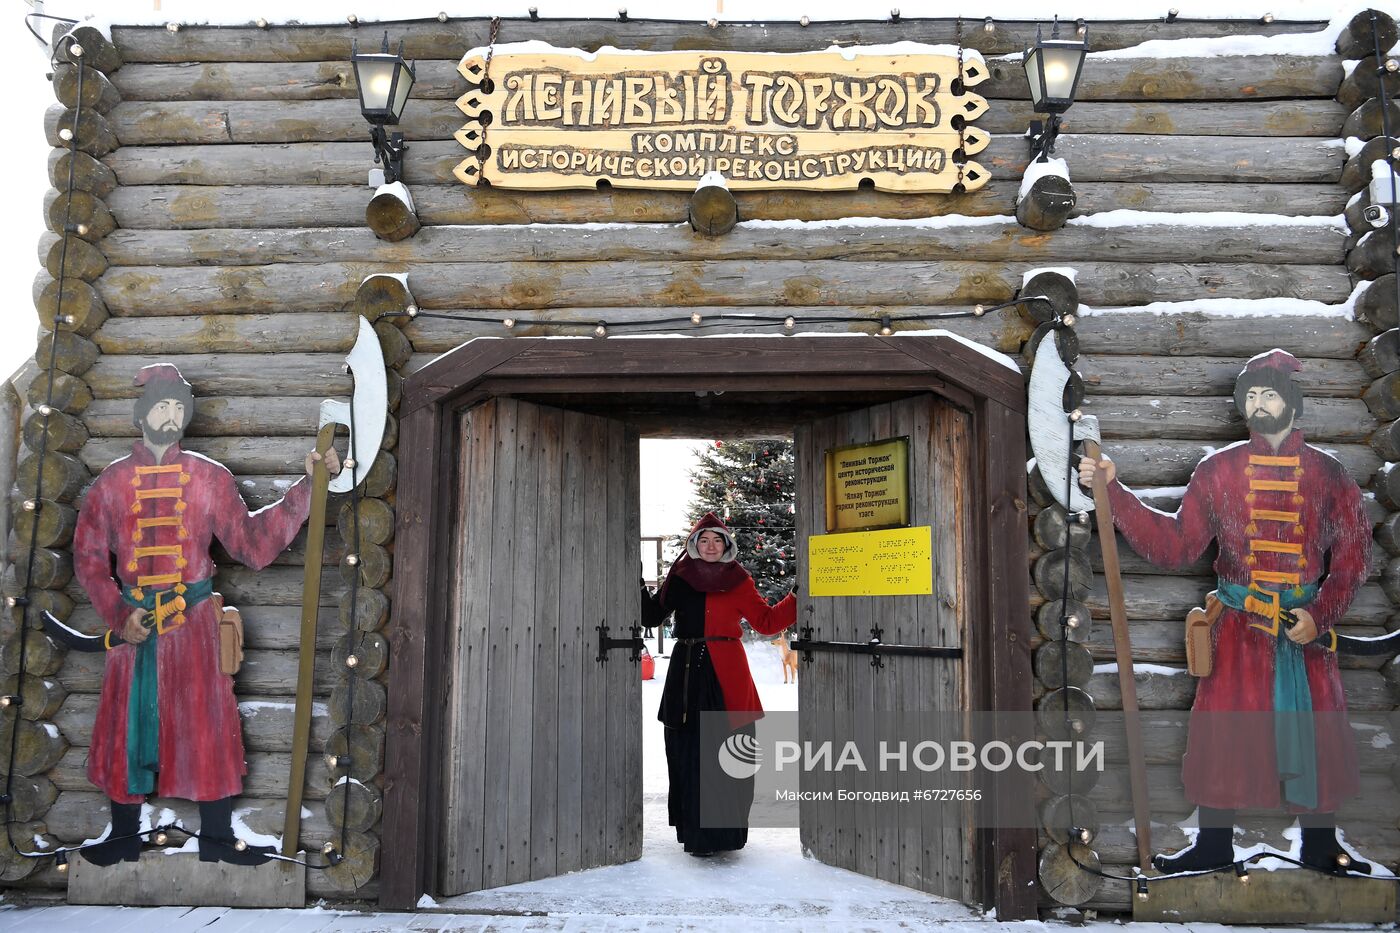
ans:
(962, 127)
(485, 78)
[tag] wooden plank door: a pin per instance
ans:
(934, 852)
(541, 763)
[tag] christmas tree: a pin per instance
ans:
(751, 485)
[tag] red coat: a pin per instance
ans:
(158, 521)
(723, 612)
(1279, 517)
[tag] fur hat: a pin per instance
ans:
(1273, 370)
(158, 382)
(711, 522)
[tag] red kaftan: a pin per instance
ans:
(159, 521)
(1285, 516)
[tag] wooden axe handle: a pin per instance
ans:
(1122, 646)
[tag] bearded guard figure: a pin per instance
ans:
(167, 723)
(1268, 727)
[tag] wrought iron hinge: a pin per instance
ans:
(635, 643)
(875, 647)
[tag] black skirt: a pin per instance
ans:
(708, 808)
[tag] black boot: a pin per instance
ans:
(216, 840)
(122, 844)
(1214, 846)
(1322, 850)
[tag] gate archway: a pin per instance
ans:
(647, 382)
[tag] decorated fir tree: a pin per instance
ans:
(751, 485)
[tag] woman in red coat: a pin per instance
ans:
(710, 593)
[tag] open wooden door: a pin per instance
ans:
(934, 851)
(541, 771)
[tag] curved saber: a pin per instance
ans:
(1050, 428)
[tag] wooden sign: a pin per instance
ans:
(867, 486)
(540, 117)
(894, 562)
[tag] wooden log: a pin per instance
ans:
(354, 806)
(74, 354)
(244, 333)
(371, 610)
(1356, 174)
(378, 295)
(45, 568)
(84, 815)
(221, 416)
(1052, 530)
(69, 304)
(1163, 643)
(1069, 878)
(1184, 376)
(1065, 817)
(1329, 419)
(1065, 773)
(266, 722)
(1376, 305)
(1365, 690)
(1117, 157)
(391, 218)
(1169, 462)
(1051, 578)
(393, 384)
(1066, 713)
(1363, 83)
(40, 697)
(1386, 441)
(226, 374)
(60, 391)
(359, 862)
(383, 476)
(1359, 36)
(580, 289)
(98, 50)
(1059, 289)
(263, 673)
(430, 39)
(57, 431)
(365, 708)
(85, 214)
(55, 601)
(370, 648)
(82, 172)
(1079, 626)
(32, 797)
(1367, 120)
(1381, 356)
(372, 562)
(257, 455)
(1388, 533)
(14, 866)
(171, 206)
(62, 476)
(375, 520)
(362, 747)
(71, 257)
(1047, 205)
(98, 93)
(1283, 242)
(39, 747)
(1136, 79)
(1374, 255)
(266, 777)
(1386, 486)
(91, 131)
(271, 586)
(1383, 397)
(1061, 663)
(397, 348)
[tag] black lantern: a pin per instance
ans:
(1052, 71)
(384, 80)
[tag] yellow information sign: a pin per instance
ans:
(896, 562)
(867, 486)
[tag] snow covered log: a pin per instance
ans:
(1377, 304)
(353, 805)
(1221, 78)
(1356, 174)
(1374, 255)
(391, 215)
(1364, 82)
(1381, 356)
(446, 41)
(1368, 121)
(1358, 37)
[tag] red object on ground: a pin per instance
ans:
(648, 667)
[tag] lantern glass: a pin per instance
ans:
(1052, 71)
(384, 80)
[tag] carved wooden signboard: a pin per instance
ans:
(540, 117)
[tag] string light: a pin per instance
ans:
(1242, 873)
(352, 560)
(804, 22)
(350, 463)
(601, 330)
(82, 229)
(75, 50)
(240, 846)
(442, 17)
(172, 27)
(695, 317)
(352, 661)
(353, 20)
(1068, 320)
(1142, 889)
(1267, 18)
(161, 838)
(60, 861)
(262, 23)
(509, 323)
(988, 25)
(65, 134)
(411, 311)
(7, 701)
(712, 23)
(30, 505)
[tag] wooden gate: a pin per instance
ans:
(542, 767)
(934, 853)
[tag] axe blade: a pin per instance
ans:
(370, 405)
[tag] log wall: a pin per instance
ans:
(219, 175)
